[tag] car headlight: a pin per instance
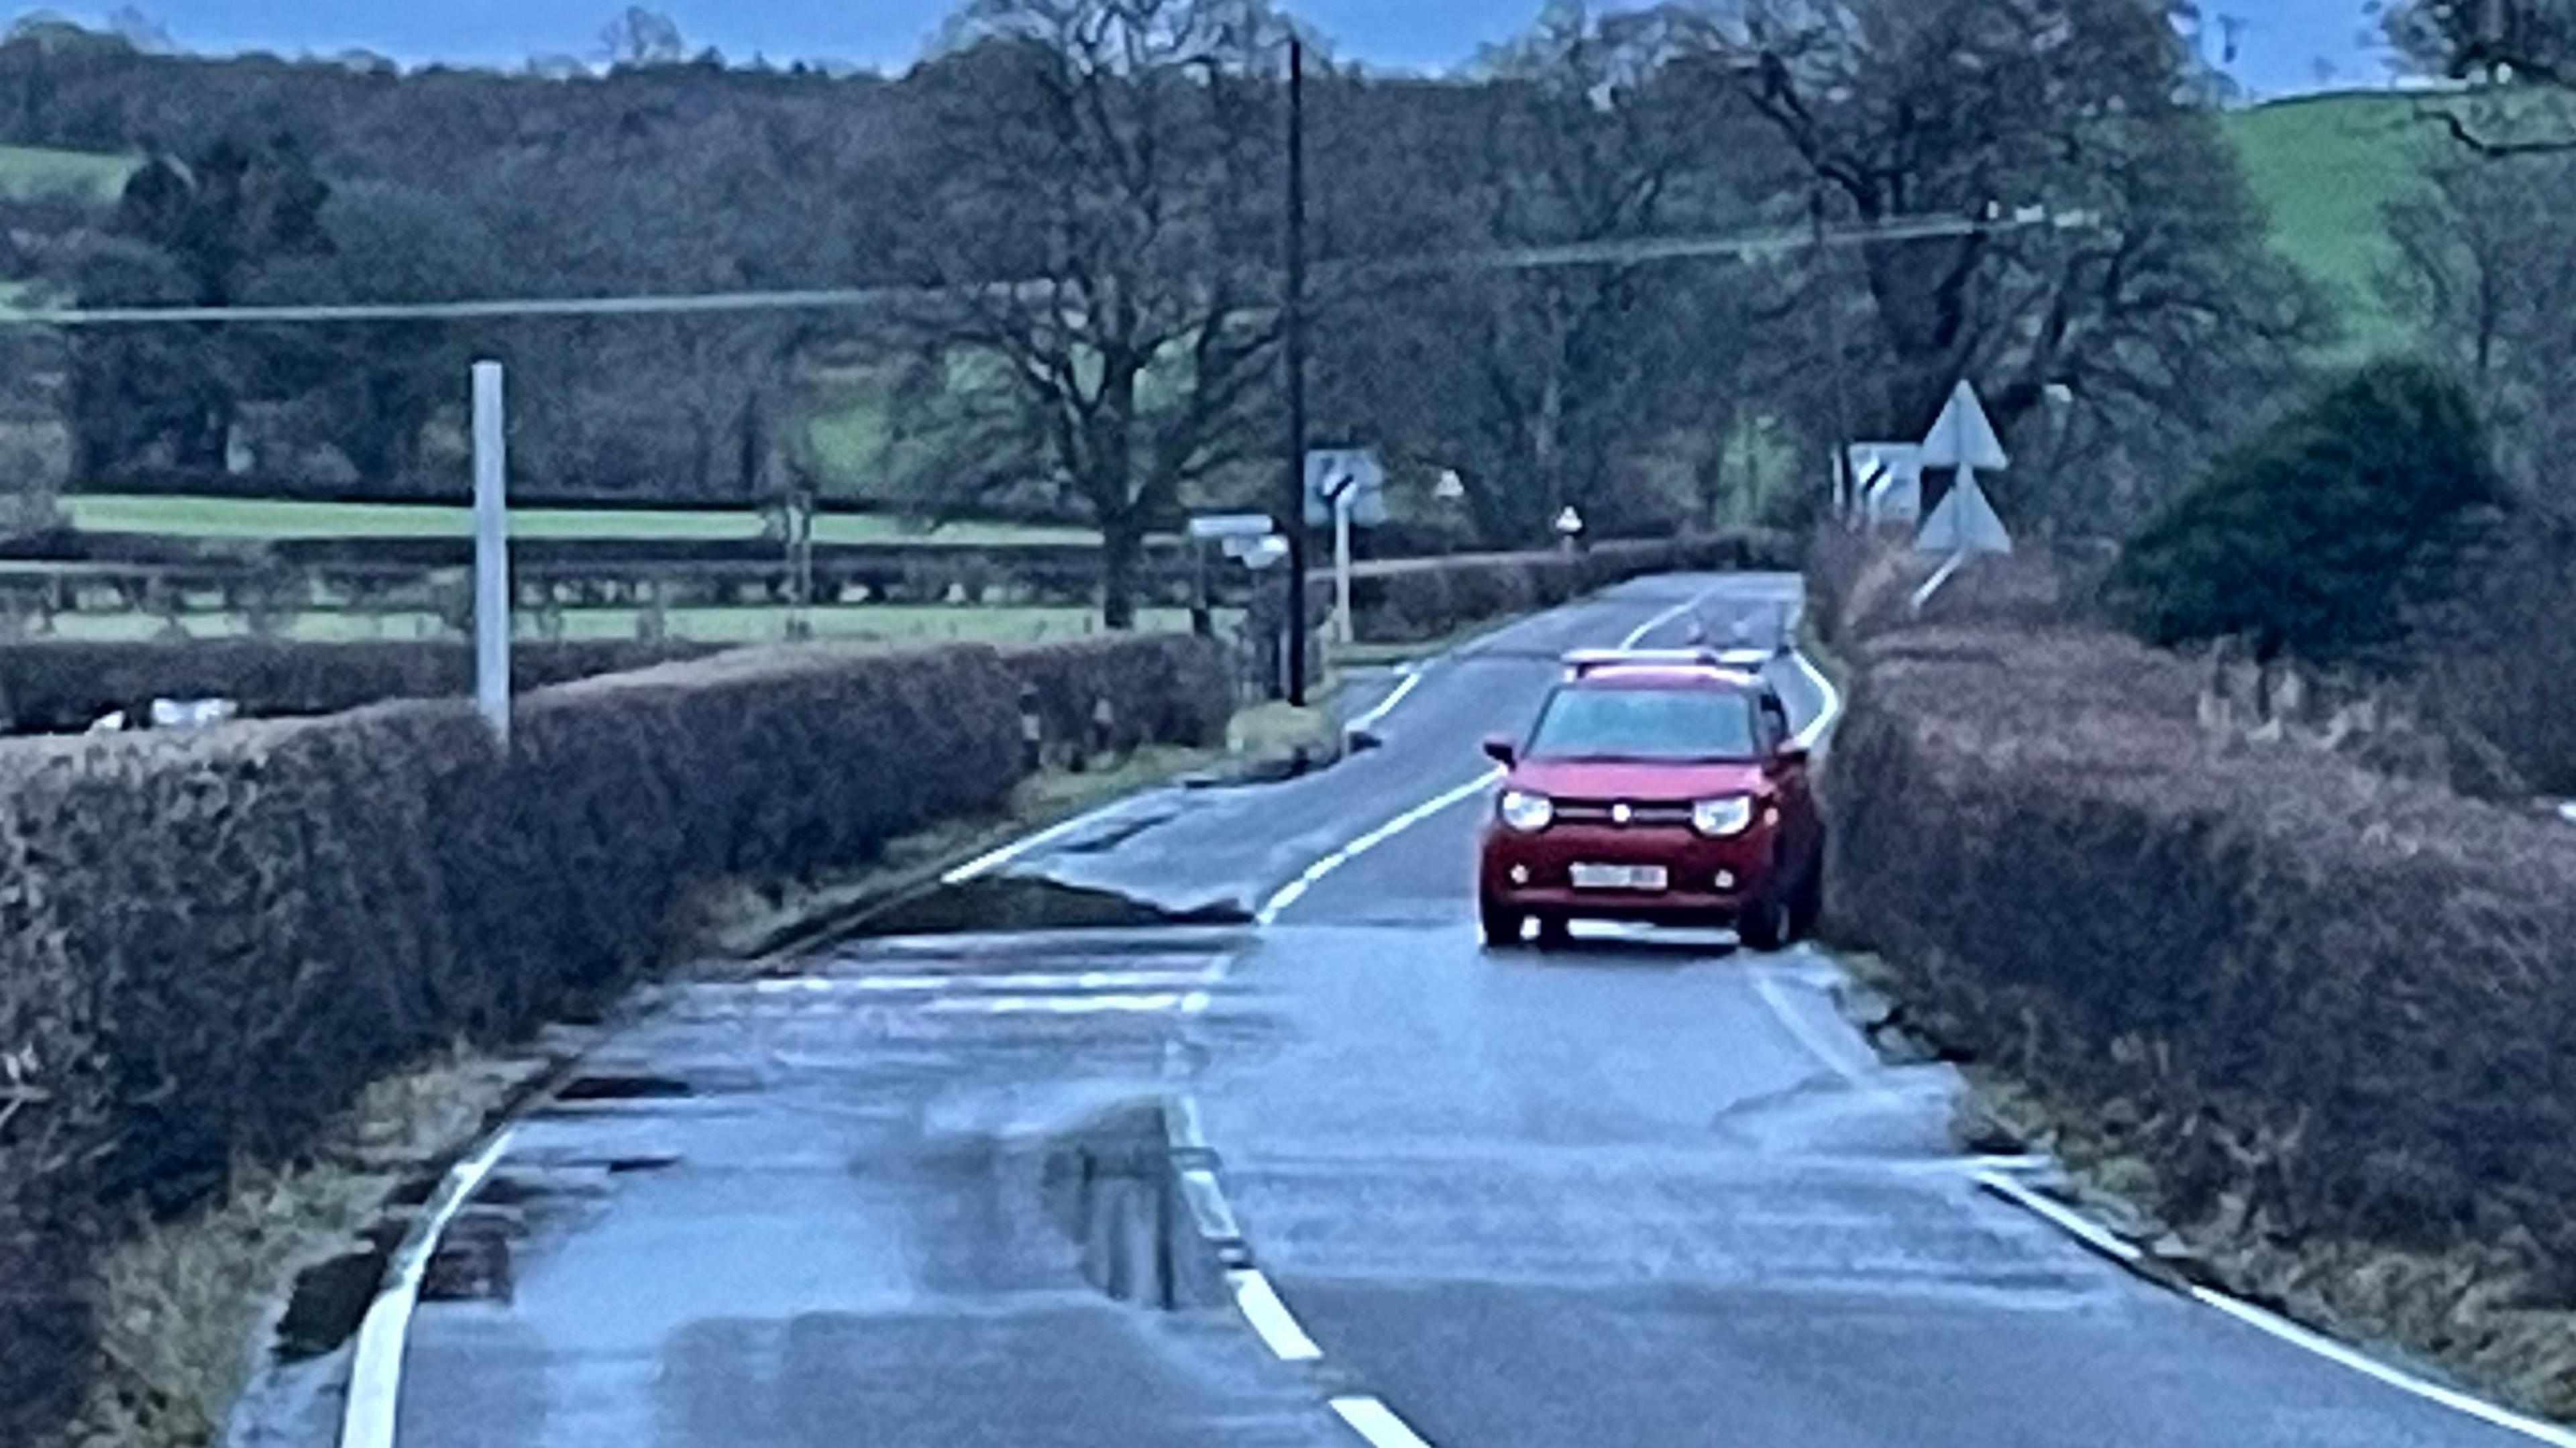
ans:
(1720, 818)
(1526, 812)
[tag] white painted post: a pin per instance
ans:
(1342, 564)
(491, 553)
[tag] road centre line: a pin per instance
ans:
(1315, 874)
(1270, 1318)
(1373, 1420)
(1404, 690)
(1646, 630)
(376, 1362)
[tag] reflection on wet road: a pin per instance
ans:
(1653, 1192)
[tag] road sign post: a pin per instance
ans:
(491, 552)
(1342, 567)
(1345, 487)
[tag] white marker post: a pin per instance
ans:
(491, 553)
(1342, 502)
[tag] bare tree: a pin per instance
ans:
(2151, 320)
(2518, 59)
(2484, 269)
(639, 36)
(1096, 211)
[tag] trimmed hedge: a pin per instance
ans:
(59, 688)
(1425, 598)
(209, 943)
(2317, 1000)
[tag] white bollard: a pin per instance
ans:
(491, 553)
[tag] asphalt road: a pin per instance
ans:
(1652, 1192)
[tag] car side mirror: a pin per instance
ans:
(1502, 751)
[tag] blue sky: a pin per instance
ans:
(2282, 41)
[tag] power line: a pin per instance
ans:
(1631, 252)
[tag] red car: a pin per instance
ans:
(1665, 788)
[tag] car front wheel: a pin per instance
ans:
(1501, 928)
(1763, 924)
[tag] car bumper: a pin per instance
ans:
(1706, 878)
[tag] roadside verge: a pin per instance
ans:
(2307, 1017)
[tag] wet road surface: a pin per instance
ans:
(1652, 1192)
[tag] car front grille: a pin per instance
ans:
(1640, 816)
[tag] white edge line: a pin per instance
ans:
(1830, 713)
(1373, 1420)
(375, 1364)
(990, 861)
(1315, 874)
(2064, 1218)
(1862, 1075)
(2101, 1240)
(1270, 1317)
(1403, 691)
(2406, 1382)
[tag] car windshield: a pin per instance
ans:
(1652, 724)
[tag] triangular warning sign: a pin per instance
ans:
(1965, 522)
(1964, 437)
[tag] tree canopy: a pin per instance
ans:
(2310, 539)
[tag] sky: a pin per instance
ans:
(2285, 46)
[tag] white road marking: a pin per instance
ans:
(1183, 1126)
(2064, 1218)
(2102, 1240)
(1270, 1317)
(2405, 1382)
(1646, 630)
(1029, 983)
(987, 863)
(1830, 713)
(376, 1363)
(1062, 1005)
(1386, 706)
(1373, 1420)
(1206, 1197)
(1838, 1057)
(1314, 874)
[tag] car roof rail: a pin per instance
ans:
(1583, 663)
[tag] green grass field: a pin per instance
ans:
(2326, 168)
(33, 171)
(260, 518)
(894, 623)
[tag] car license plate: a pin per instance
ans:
(1620, 877)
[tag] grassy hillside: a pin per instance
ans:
(32, 171)
(2327, 167)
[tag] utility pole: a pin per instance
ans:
(1292, 322)
(1829, 330)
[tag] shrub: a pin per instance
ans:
(1424, 598)
(2337, 999)
(210, 942)
(2308, 539)
(59, 687)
